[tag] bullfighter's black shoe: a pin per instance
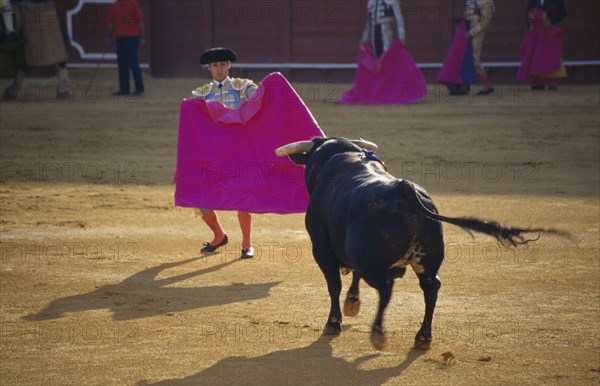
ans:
(208, 247)
(459, 89)
(486, 91)
(247, 253)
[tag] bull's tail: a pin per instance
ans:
(505, 235)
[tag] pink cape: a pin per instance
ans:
(455, 70)
(394, 78)
(540, 52)
(226, 158)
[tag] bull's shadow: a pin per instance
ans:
(144, 295)
(311, 365)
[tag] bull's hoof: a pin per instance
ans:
(332, 329)
(422, 342)
(351, 307)
(378, 338)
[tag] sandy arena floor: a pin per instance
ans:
(101, 281)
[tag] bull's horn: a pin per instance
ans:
(365, 144)
(294, 148)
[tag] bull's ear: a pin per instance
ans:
(299, 159)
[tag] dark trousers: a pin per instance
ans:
(378, 41)
(128, 59)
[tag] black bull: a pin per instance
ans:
(361, 218)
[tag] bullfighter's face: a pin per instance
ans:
(219, 70)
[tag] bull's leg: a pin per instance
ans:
(430, 287)
(385, 294)
(331, 270)
(352, 303)
(383, 282)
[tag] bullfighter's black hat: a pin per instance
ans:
(219, 54)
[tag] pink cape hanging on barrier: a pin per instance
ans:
(541, 50)
(226, 158)
(394, 78)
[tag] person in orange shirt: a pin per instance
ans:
(126, 26)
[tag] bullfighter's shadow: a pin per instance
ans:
(144, 295)
(311, 365)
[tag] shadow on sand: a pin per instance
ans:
(144, 295)
(311, 365)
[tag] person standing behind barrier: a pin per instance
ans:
(379, 29)
(478, 14)
(126, 26)
(37, 24)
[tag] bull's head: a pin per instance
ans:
(299, 152)
(316, 152)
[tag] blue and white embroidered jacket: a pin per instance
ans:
(231, 91)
